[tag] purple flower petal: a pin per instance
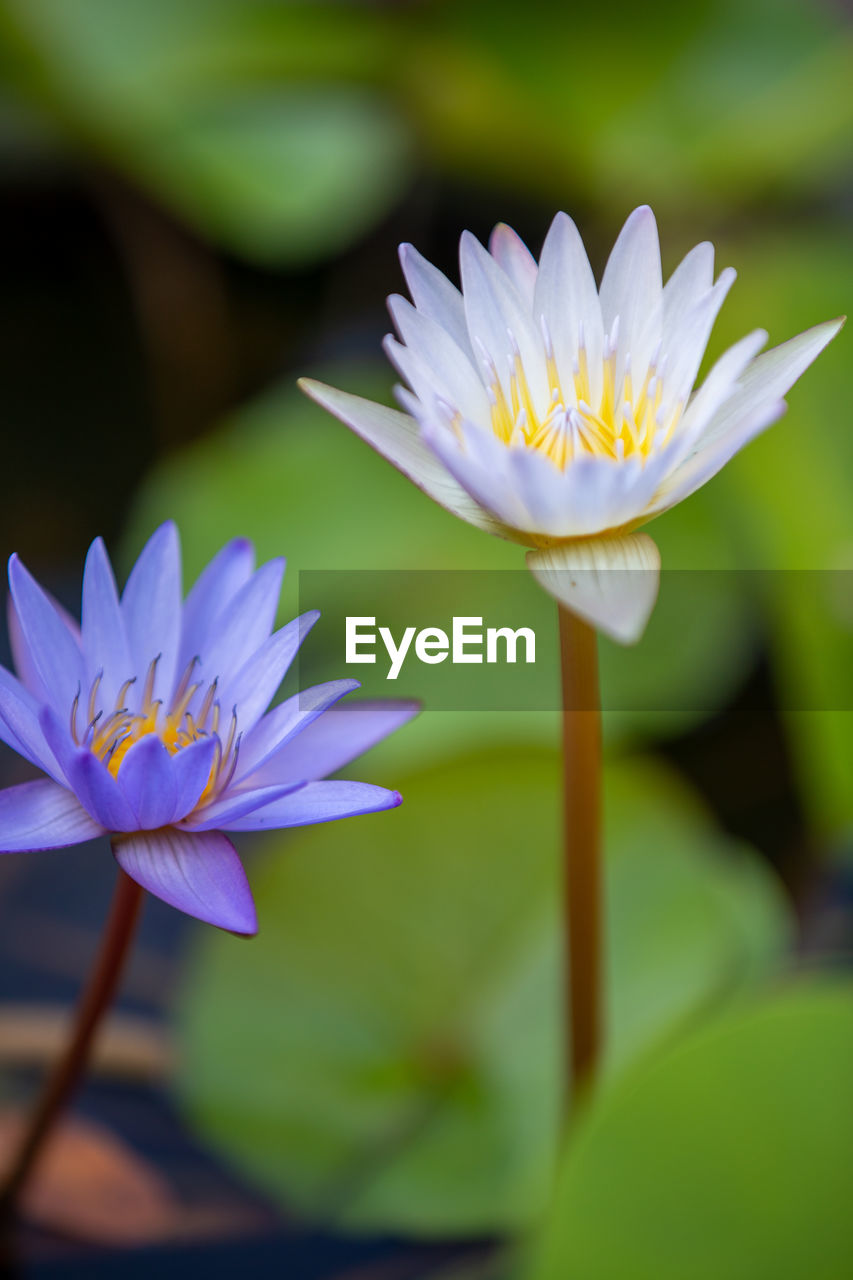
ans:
(251, 690)
(283, 723)
(146, 776)
(332, 740)
(199, 874)
(317, 802)
(212, 592)
(151, 607)
(19, 725)
(192, 768)
(89, 778)
(20, 652)
(53, 652)
(42, 815)
(234, 805)
(247, 624)
(105, 646)
(100, 794)
(21, 659)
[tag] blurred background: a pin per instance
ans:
(201, 201)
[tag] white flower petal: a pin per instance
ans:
(567, 298)
(526, 491)
(610, 582)
(480, 463)
(449, 370)
(512, 254)
(435, 296)
(687, 351)
(771, 375)
(497, 318)
(589, 497)
(395, 436)
(631, 290)
(720, 383)
(712, 456)
(690, 280)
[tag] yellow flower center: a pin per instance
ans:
(627, 420)
(111, 736)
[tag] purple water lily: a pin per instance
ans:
(149, 719)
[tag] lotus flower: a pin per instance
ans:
(150, 721)
(563, 416)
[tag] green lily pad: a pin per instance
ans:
(385, 1054)
(731, 1156)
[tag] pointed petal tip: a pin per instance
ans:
(469, 246)
(829, 328)
(246, 934)
(314, 389)
(643, 214)
(500, 231)
(277, 565)
(166, 532)
(562, 221)
(245, 922)
(395, 302)
(332, 399)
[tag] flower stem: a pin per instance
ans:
(582, 874)
(65, 1076)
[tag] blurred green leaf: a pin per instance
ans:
(278, 173)
(207, 105)
(732, 1156)
(386, 1052)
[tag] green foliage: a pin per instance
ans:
(282, 131)
(705, 105)
(731, 1155)
(386, 1052)
(212, 107)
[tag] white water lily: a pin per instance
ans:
(563, 416)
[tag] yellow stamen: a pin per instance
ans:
(625, 423)
(110, 735)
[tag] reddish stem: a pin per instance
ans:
(582, 873)
(94, 1002)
